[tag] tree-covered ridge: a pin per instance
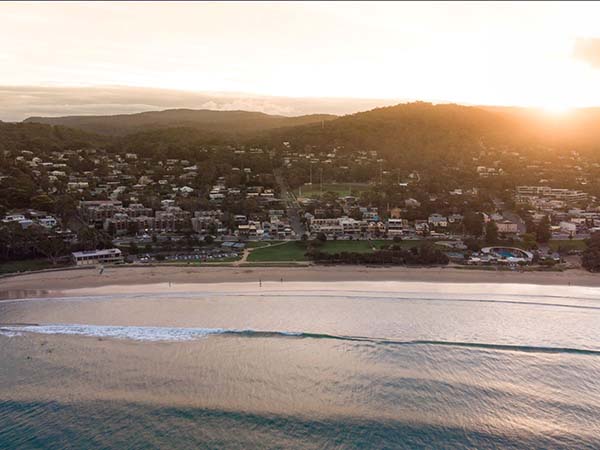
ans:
(419, 133)
(448, 133)
(227, 122)
(44, 138)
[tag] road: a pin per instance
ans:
(291, 205)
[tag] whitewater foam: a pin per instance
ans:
(155, 334)
(178, 334)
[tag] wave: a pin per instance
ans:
(179, 334)
(155, 334)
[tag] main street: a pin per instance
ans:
(291, 204)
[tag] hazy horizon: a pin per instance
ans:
(295, 58)
(18, 103)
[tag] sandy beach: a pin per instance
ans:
(56, 281)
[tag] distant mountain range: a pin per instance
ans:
(214, 121)
(19, 102)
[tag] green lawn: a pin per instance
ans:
(27, 265)
(290, 251)
(352, 246)
(569, 244)
(295, 251)
(341, 189)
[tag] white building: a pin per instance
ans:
(568, 227)
(86, 258)
(437, 220)
(506, 226)
(48, 222)
(395, 226)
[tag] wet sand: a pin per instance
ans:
(57, 282)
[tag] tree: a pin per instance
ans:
(491, 232)
(132, 228)
(321, 237)
(529, 241)
(42, 202)
(92, 239)
(473, 244)
(590, 259)
(473, 223)
(48, 243)
(133, 248)
(543, 233)
(356, 214)
(65, 207)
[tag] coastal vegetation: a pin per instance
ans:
(590, 259)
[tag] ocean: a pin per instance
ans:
(302, 365)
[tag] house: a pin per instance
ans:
(14, 218)
(437, 220)
(506, 226)
(455, 218)
(421, 226)
(48, 222)
(412, 203)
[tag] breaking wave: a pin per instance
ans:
(179, 334)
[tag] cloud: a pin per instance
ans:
(588, 50)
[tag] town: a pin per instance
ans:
(237, 204)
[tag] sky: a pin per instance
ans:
(526, 54)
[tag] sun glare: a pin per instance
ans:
(557, 109)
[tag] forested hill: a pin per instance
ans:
(44, 138)
(233, 122)
(407, 131)
(447, 132)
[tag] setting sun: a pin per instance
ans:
(557, 109)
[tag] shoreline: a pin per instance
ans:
(58, 281)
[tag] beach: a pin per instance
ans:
(63, 280)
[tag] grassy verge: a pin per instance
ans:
(27, 265)
(568, 244)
